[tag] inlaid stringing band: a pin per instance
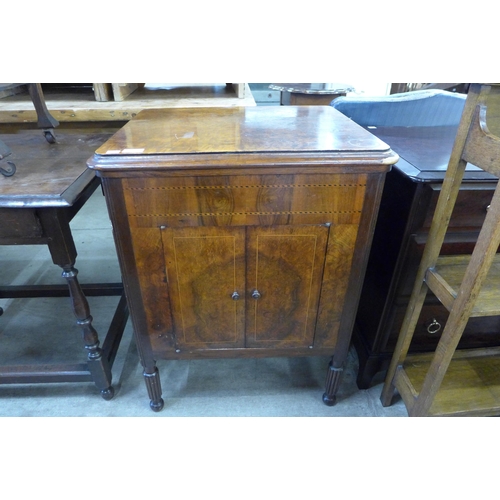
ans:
(170, 188)
(221, 214)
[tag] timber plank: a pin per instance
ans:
(471, 386)
(84, 107)
(452, 270)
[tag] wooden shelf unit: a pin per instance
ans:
(445, 278)
(90, 104)
(120, 91)
(471, 386)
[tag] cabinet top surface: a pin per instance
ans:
(425, 151)
(242, 130)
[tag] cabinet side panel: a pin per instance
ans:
(335, 281)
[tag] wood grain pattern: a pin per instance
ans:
(245, 200)
(103, 92)
(267, 205)
(241, 129)
(148, 251)
(336, 278)
(461, 393)
(451, 270)
(283, 202)
(48, 174)
(19, 223)
(122, 90)
(205, 266)
(481, 147)
(285, 265)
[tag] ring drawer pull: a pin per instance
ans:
(434, 326)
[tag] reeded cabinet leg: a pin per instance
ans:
(97, 364)
(154, 389)
(331, 384)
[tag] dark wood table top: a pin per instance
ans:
(425, 151)
(48, 175)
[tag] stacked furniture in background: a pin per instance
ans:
(450, 382)
(421, 127)
(45, 121)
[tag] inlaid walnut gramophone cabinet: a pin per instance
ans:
(242, 232)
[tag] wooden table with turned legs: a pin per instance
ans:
(37, 204)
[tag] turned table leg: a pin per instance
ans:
(63, 252)
(97, 364)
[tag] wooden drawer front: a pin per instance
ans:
(470, 209)
(245, 200)
(479, 332)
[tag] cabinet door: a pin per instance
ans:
(206, 281)
(284, 274)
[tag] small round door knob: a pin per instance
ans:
(256, 295)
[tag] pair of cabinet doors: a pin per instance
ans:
(244, 286)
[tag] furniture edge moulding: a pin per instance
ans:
(188, 164)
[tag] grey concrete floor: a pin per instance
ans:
(44, 329)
